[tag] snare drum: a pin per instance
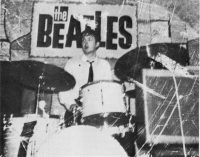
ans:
(19, 131)
(102, 97)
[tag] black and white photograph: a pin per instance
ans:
(99, 78)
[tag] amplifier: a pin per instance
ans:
(170, 119)
(175, 151)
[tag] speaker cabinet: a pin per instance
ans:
(175, 118)
(175, 151)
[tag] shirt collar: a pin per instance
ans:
(85, 58)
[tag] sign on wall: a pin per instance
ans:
(57, 27)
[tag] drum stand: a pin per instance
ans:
(76, 115)
(74, 111)
(31, 151)
(40, 81)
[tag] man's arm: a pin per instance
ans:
(107, 70)
(66, 98)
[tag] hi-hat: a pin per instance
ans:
(131, 64)
(33, 73)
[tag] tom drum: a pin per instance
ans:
(102, 97)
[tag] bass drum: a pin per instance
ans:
(81, 141)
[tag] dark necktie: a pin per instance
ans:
(90, 76)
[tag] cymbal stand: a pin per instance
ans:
(74, 111)
(32, 142)
(40, 82)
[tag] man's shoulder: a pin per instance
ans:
(103, 61)
(73, 61)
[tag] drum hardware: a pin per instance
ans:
(68, 118)
(131, 124)
(40, 82)
(113, 130)
(102, 103)
(78, 101)
(61, 123)
(118, 130)
(131, 93)
(114, 124)
(75, 112)
(126, 105)
(7, 121)
(72, 116)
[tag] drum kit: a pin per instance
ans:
(102, 105)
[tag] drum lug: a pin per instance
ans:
(61, 122)
(7, 122)
(131, 125)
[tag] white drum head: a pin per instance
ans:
(81, 141)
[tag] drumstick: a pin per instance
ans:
(146, 88)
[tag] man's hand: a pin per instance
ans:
(73, 107)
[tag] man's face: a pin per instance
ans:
(89, 44)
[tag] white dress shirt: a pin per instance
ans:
(79, 68)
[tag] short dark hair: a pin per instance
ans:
(89, 32)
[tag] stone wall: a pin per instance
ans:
(155, 24)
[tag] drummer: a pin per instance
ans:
(85, 69)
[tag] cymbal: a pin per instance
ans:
(33, 73)
(131, 64)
